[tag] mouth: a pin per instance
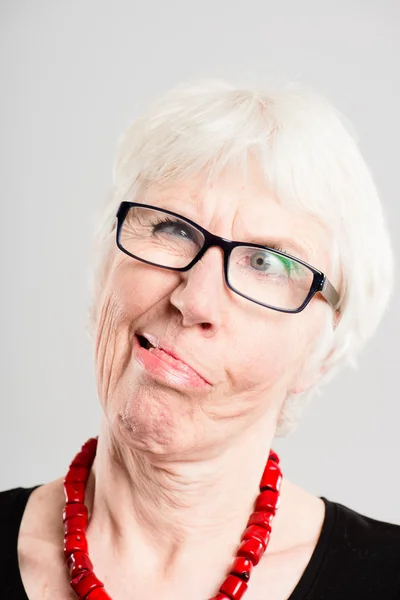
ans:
(163, 357)
(144, 342)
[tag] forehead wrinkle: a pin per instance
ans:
(211, 206)
(292, 244)
(182, 199)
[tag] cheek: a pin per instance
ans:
(138, 287)
(272, 353)
(112, 341)
(132, 290)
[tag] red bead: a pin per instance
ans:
(84, 461)
(262, 519)
(257, 533)
(75, 525)
(90, 444)
(233, 587)
(89, 450)
(98, 594)
(84, 583)
(272, 477)
(242, 568)
(75, 510)
(273, 456)
(268, 501)
(85, 457)
(75, 516)
(251, 549)
(74, 492)
(77, 562)
(75, 542)
(77, 474)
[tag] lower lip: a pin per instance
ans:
(167, 369)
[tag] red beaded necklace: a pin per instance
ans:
(75, 516)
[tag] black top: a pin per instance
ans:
(356, 557)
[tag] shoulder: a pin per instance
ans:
(360, 530)
(12, 507)
(32, 523)
(362, 555)
(9, 498)
(41, 518)
(29, 514)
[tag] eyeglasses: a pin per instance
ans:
(263, 275)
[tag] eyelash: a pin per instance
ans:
(276, 247)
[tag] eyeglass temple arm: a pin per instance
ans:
(330, 294)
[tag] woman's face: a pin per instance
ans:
(249, 357)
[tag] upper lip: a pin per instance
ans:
(169, 349)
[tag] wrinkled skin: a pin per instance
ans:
(252, 356)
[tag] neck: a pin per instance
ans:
(169, 516)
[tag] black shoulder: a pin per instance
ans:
(359, 530)
(12, 506)
(9, 498)
(363, 557)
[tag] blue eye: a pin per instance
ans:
(176, 228)
(259, 260)
(264, 261)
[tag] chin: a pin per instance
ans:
(147, 424)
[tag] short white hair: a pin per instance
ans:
(310, 160)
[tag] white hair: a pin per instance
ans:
(309, 159)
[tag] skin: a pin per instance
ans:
(177, 472)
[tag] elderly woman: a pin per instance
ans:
(242, 259)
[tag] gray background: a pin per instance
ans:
(73, 74)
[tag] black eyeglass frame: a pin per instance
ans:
(320, 281)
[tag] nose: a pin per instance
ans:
(199, 295)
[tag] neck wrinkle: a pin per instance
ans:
(174, 506)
